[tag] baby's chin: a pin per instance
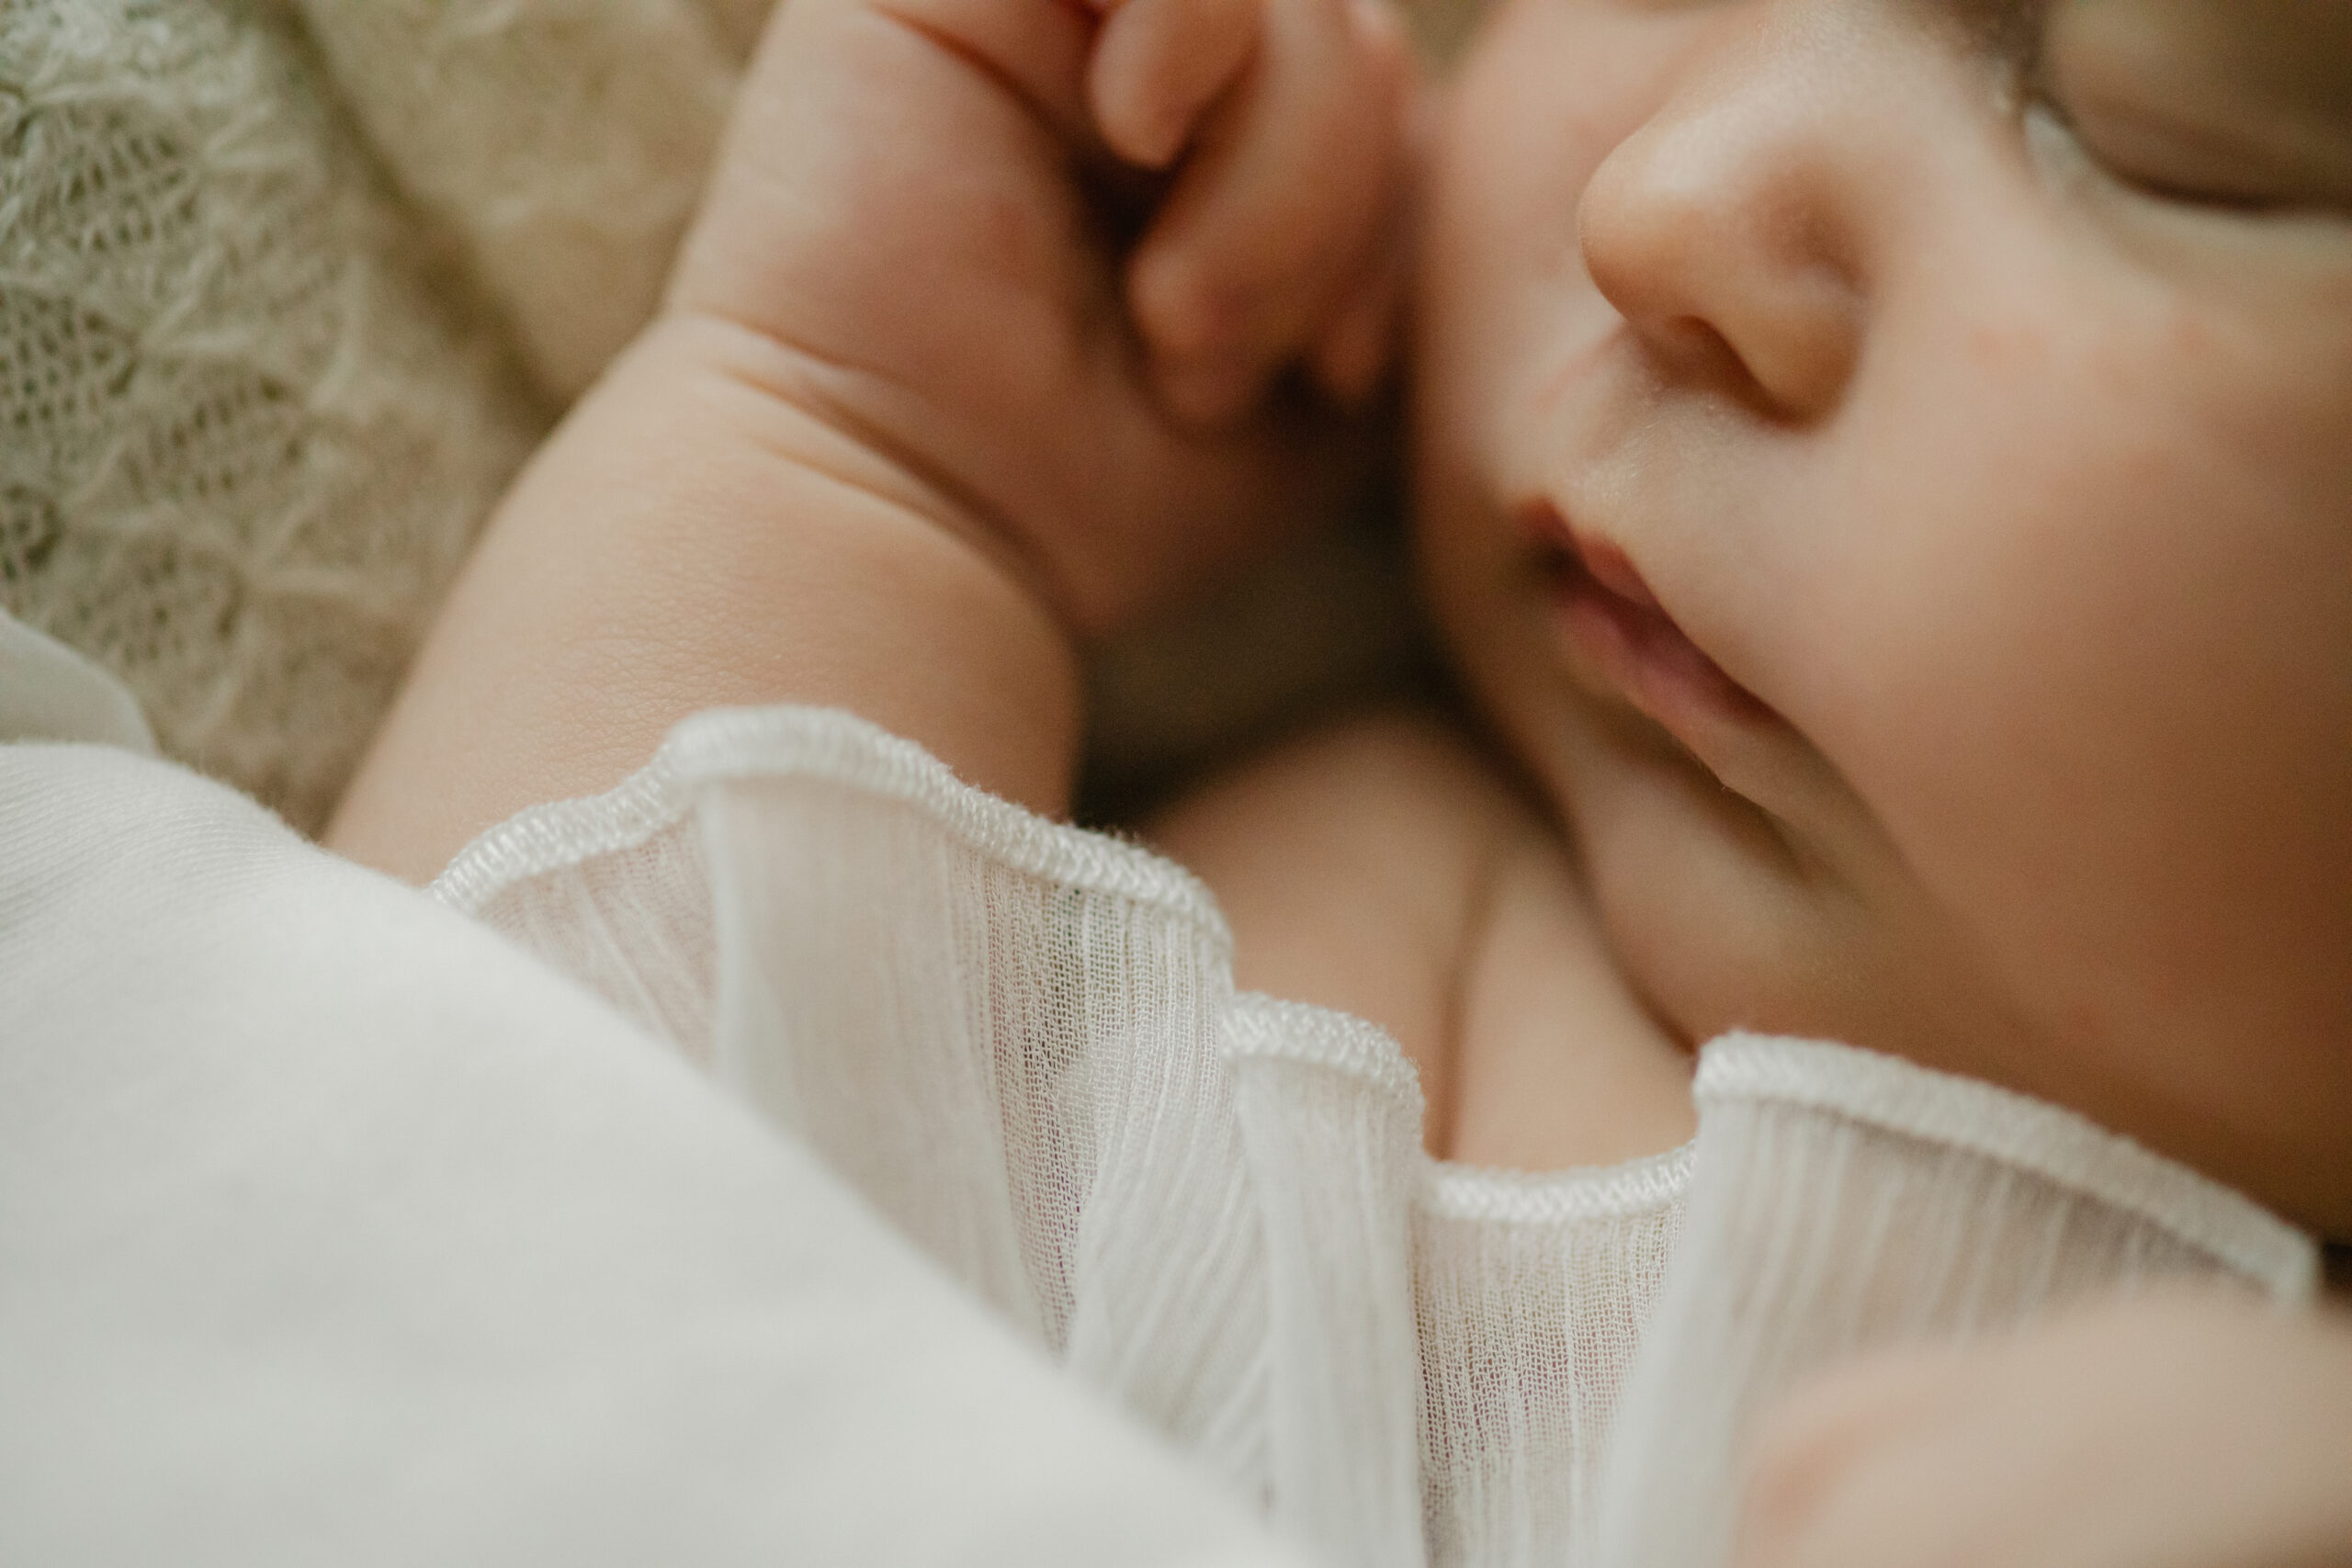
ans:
(1725, 916)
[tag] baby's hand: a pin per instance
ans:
(1279, 239)
(897, 439)
(2170, 1432)
(933, 216)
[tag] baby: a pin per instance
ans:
(1850, 443)
(1881, 471)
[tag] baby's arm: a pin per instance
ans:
(894, 444)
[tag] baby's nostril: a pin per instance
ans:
(1552, 547)
(1698, 352)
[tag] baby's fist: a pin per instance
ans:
(923, 225)
(1282, 238)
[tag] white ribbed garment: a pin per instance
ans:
(1021, 1043)
(335, 1229)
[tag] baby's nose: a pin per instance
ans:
(1731, 230)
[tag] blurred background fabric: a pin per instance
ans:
(251, 424)
(559, 144)
(289, 288)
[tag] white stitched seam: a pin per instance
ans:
(1645, 1186)
(745, 746)
(2017, 1130)
(1268, 1028)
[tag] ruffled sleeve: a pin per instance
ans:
(1021, 1043)
(1845, 1201)
(1014, 1039)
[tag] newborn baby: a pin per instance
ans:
(1880, 469)
(1880, 475)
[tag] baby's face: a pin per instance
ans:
(1967, 386)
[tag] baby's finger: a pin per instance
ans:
(1285, 196)
(1036, 51)
(1354, 349)
(1157, 67)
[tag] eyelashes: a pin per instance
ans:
(2233, 104)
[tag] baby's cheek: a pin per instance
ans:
(2094, 686)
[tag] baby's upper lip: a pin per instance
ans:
(1548, 528)
(1610, 567)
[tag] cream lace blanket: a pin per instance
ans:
(286, 292)
(1021, 1043)
(251, 422)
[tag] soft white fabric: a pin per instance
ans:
(48, 692)
(1021, 1043)
(333, 1229)
(1844, 1201)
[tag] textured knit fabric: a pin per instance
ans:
(561, 144)
(1021, 1043)
(246, 439)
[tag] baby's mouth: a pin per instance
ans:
(1620, 638)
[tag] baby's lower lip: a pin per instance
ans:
(1615, 627)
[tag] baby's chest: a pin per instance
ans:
(1553, 1061)
(1386, 869)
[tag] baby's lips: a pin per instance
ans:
(1545, 525)
(1613, 570)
